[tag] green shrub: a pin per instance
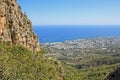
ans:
(18, 63)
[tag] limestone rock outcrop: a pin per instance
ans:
(15, 27)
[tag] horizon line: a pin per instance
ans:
(79, 25)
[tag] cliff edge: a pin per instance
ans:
(15, 27)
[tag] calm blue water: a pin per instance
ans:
(62, 33)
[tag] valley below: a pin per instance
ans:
(86, 53)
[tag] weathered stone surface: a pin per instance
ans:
(16, 27)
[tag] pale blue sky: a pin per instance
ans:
(72, 12)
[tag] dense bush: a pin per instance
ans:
(94, 73)
(18, 63)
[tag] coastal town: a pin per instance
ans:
(84, 51)
(80, 44)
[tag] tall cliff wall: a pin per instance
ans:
(15, 27)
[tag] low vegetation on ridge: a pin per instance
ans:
(18, 63)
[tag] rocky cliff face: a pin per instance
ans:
(15, 27)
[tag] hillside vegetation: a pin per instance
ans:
(95, 73)
(18, 63)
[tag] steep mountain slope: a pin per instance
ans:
(18, 63)
(17, 45)
(15, 27)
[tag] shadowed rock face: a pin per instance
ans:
(114, 75)
(15, 27)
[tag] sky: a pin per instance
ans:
(72, 12)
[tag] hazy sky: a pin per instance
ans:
(72, 12)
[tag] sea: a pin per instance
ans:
(62, 33)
